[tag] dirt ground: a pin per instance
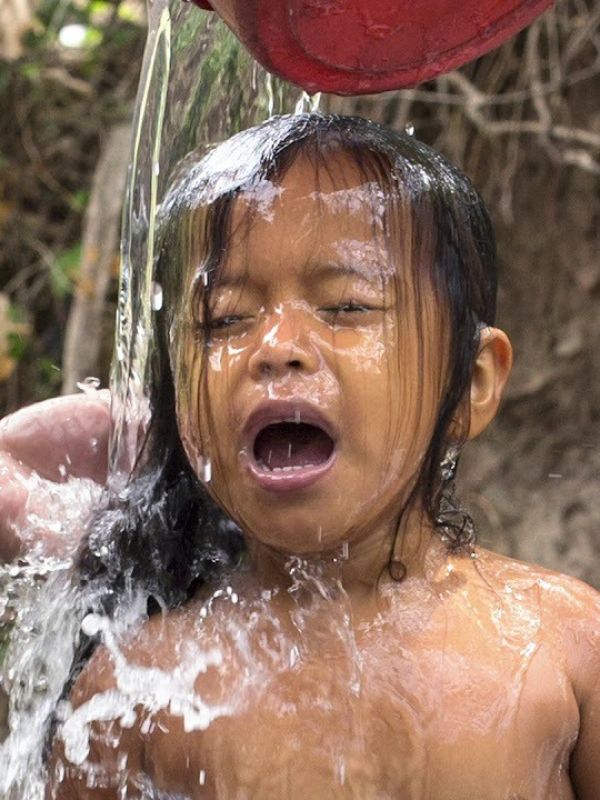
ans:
(533, 480)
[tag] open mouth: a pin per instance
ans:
(286, 451)
(291, 447)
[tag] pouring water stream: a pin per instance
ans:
(182, 102)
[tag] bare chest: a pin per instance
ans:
(412, 724)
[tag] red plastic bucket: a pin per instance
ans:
(360, 46)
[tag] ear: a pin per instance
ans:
(492, 368)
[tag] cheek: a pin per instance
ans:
(391, 395)
(363, 353)
(226, 359)
(369, 382)
(226, 364)
(225, 386)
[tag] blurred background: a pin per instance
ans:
(523, 122)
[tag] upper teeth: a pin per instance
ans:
(290, 468)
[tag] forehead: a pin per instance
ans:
(329, 202)
(314, 211)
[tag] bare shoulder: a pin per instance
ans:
(557, 591)
(147, 646)
(569, 609)
(560, 616)
(81, 763)
(102, 726)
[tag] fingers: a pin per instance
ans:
(66, 436)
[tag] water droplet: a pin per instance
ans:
(146, 727)
(410, 129)
(59, 772)
(156, 300)
(156, 168)
(294, 656)
(202, 777)
(207, 470)
(303, 104)
(89, 385)
(92, 624)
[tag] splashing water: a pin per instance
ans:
(40, 611)
(197, 87)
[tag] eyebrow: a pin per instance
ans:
(321, 270)
(345, 269)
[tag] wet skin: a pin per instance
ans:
(478, 680)
(43, 445)
(307, 310)
(474, 678)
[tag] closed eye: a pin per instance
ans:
(229, 324)
(225, 322)
(351, 310)
(347, 308)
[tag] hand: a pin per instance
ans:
(44, 447)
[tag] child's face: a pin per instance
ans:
(313, 322)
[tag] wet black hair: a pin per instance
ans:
(163, 532)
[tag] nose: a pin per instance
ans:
(286, 346)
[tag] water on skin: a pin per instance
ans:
(295, 693)
(239, 630)
(344, 700)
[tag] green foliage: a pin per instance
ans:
(64, 270)
(18, 347)
(17, 313)
(48, 379)
(79, 200)
(58, 103)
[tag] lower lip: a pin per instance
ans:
(291, 481)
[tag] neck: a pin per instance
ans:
(391, 551)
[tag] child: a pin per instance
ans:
(325, 349)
